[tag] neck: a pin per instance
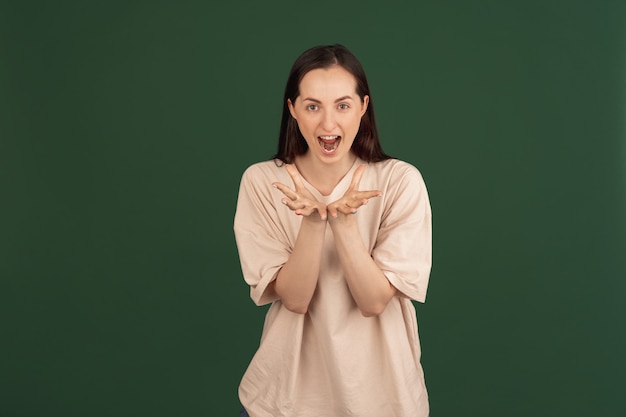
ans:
(324, 177)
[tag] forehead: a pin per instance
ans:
(327, 83)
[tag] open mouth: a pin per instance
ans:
(329, 144)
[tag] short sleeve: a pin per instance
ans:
(261, 241)
(403, 248)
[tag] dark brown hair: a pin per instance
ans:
(291, 143)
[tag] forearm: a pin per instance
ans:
(297, 279)
(368, 285)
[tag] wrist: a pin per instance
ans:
(314, 220)
(343, 221)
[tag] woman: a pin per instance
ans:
(337, 236)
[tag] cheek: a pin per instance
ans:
(308, 123)
(306, 128)
(356, 122)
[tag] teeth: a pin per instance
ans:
(328, 137)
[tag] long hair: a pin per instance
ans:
(291, 143)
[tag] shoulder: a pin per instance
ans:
(395, 171)
(260, 172)
(403, 188)
(263, 168)
(257, 179)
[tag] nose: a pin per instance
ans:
(328, 121)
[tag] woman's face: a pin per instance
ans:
(328, 112)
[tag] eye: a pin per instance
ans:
(312, 107)
(343, 106)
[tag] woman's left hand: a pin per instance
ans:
(353, 198)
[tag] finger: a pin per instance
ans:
(366, 195)
(347, 209)
(305, 211)
(340, 207)
(332, 210)
(285, 190)
(356, 177)
(322, 212)
(295, 176)
(293, 205)
(310, 210)
(359, 199)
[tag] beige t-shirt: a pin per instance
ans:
(333, 361)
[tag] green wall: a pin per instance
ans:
(124, 129)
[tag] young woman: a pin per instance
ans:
(337, 236)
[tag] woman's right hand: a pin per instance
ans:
(300, 200)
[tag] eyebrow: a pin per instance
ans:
(336, 101)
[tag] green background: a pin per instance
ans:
(125, 127)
